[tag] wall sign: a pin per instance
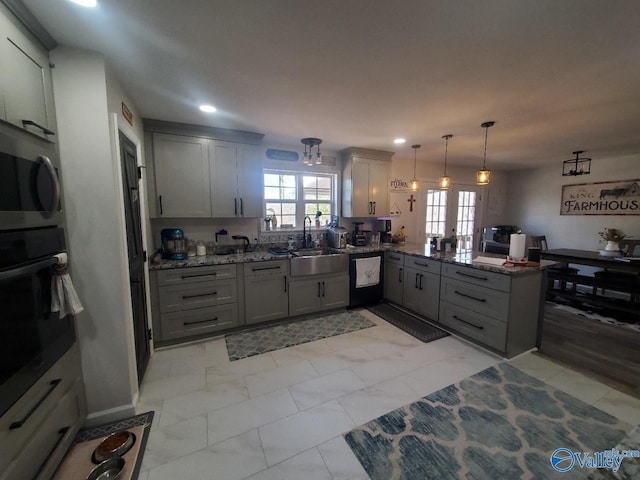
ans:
(286, 155)
(126, 113)
(601, 198)
(398, 185)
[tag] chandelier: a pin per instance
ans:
(482, 175)
(576, 166)
(445, 182)
(308, 157)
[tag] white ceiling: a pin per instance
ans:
(555, 75)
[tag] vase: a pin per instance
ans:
(612, 246)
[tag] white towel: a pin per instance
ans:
(367, 271)
(64, 298)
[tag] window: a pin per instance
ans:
(289, 196)
(436, 213)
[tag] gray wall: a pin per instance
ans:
(535, 196)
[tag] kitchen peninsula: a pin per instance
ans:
(496, 306)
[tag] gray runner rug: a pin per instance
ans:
(410, 324)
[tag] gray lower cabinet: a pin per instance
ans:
(393, 277)
(37, 431)
(266, 291)
(188, 302)
(497, 310)
(421, 289)
(313, 293)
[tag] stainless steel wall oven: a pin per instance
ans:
(32, 337)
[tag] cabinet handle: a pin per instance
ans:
(417, 280)
(52, 385)
(374, 208)
(160, 198)
(319, 290)
(324, 292)
(394, 258)
(200, 321)
(235, 206)
(61, 433)
(421, 281)
(421, 264)
(285, 284)
(484, 279)
(45, 130)
(264, 268)
(184, 297)
(184, 277)
(479, 327)
(470, 296)
(241, 206)
(370, 207)
(400, 275)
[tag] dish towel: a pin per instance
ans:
(64, 298)
(367, 271)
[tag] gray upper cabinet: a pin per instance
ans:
(26, 88)
(181, 176)
(236, 180)
(365, 182)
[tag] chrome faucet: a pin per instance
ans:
(306, 242)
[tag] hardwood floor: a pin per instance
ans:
(609, 353)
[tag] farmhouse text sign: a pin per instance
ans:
(601, 198)
(399, 185)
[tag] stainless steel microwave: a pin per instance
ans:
(30, 192)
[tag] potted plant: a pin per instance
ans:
(613, 236)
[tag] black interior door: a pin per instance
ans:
(137, 256)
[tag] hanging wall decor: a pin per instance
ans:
(601, 198)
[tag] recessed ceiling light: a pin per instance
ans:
(208, 108)
(398, 141)
(86, 3)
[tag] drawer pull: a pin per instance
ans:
(417, 275)
(61, 433)
(45, 130)
(265, 268)
(421, 281)
(184, 297)
(421, 264)
(200, 321)
(479, 327)
(400, 275)
(394, 258)
(213, 274)
(472, 276)
(52, 385)
(470, 296)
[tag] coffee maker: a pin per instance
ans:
(358, 237)
(383, 227)
(174, 245)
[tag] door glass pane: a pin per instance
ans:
(466, 218)
(436, 213)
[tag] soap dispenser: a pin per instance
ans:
(290, 242)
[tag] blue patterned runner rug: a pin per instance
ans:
(498, 424)
(274, 337)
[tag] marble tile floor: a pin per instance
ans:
(281, 415)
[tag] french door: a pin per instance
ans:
(458, 210)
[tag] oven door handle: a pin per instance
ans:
(27, 269)
(56, 183)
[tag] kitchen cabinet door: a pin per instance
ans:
(182, 176)
(379, 187)
(360, 206)
(421, 293)
(236, 180)
(335, 291)
(26, 86)
(305, 296)
(394, 277)
(266, 298)
(365, 182)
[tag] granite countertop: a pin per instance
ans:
(459, 257)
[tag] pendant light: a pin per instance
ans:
(445, 182)
(308, 157)
(482, 175)
(415, 184)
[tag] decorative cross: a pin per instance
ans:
(411, 200)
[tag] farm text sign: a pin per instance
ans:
(601, 198)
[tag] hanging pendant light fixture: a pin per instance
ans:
(308, 157)
(415, 184)
(445, 182)
(483, 175)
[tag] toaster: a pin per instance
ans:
(337, 237)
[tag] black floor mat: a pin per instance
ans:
(410, 324)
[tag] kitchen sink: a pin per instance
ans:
(311, 252)
(314, 262)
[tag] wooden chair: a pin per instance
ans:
(540, 241)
